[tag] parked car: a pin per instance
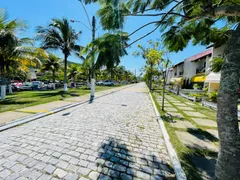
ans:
(108, 83)
(38, 85)
(99, 83)
(26, 86)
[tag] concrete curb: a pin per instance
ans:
(180, 175)
(30, 118)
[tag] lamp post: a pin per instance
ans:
(93, 29)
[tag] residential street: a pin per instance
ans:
(114, 137)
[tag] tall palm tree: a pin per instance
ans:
(108, 49)
(74, 71)
(15, 53)
(59, 35)
(53, 64)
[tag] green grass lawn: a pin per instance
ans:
(185, 153)
(24, 99)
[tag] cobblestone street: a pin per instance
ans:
(114, 137)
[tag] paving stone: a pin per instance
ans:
(71, 176)
(175, 114)
(60, 173)
(185, 108)
(113, 173)
(205, 122)
(168, 109)
(180, 104)
(49, 168)
(83, 163)
(190, 103)
(104, 177)
(107, 129)
(84, 171)
(45, 177)
(40, 166)
(213, 132)
(94, 175)
(194, 114)
(4, 173)
(195, 141)
(125, 176)
(119, 168)
(65, 157)
(62, 164)
(182, 124)
(34, 175)
(143, 175)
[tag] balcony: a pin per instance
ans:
(200, 70)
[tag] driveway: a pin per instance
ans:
(113, 137)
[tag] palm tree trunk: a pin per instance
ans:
(53, 77)
(65, 73)
(2, 84)
(228, 164)
(9, 80)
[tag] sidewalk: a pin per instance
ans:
(9, 116)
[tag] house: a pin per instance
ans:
(213, 79)
(196, 68)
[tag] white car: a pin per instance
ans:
(108, 83)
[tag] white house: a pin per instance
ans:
(213, 79)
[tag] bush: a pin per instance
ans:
(196, 86)
(213, 96)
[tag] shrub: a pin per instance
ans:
(196, 86)
(213, 96)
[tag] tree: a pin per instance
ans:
(153, 56)
(53, 64)
(108, 50)
(74, 71)
(189, 20)
(59, 35)
(15, 53)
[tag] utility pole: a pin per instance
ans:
(93, 58)
(93, 38)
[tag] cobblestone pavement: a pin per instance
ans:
(114, 137)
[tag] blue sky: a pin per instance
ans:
(35, 13)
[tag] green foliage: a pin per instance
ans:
(108, 49)
(196, 86)
(213, 96)
(217, 63)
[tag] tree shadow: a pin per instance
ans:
(170, 118)
(13, 101)
(199, 165)
(201, 134)
(118, 161)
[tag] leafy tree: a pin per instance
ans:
(153, 56)
(217, 64)
(16, 54)
(183, 21)
(53, 64)
(74, 71)
(108, 50)
(59, 35)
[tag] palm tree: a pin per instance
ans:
(108, 50)
(59, 35)
(74, 71)
(53, 64)
(14, 54)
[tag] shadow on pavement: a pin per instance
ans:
(119, 162)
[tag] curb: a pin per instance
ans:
(180, 175)
(30, 118)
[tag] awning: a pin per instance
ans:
(213, 78)
(177, 80)
(198, 78)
